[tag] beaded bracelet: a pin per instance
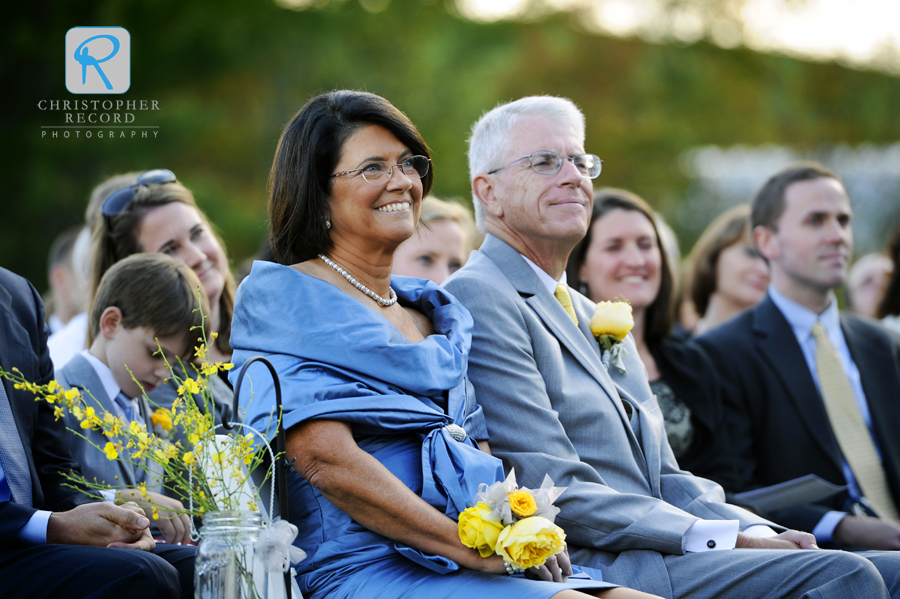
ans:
(511, 569)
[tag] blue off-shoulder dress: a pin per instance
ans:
(338, 359)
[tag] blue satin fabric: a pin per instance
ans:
(339, 359)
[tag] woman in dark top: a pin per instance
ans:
(622, 256)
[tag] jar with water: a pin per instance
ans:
(227, 565)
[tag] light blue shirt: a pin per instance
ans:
(802, 320)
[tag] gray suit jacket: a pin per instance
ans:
(79, 373)
(552, 407)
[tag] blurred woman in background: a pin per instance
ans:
(622, 256)
(889, 308)
(441, 243)
(728, 275)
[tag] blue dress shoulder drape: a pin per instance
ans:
(338, 359)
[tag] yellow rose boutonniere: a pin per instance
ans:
(611, 322)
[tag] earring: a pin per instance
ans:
(327, 224)
(582, 289)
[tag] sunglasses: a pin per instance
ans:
(118, 200)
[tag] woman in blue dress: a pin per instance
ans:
(389, 443)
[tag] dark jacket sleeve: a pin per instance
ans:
(24, 346)
(690, 373)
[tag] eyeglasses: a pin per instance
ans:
(548, 162)
(377, 172)
(118, 200)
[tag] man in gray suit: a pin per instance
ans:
(553, 407)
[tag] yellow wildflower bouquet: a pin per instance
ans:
(206, 474)
(611, 322)
(516, 524)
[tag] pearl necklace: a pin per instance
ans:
(381, 301)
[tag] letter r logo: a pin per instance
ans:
(98, 60)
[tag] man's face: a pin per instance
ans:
(813, 242)
(543, 208)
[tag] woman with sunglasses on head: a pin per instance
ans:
(158, 214)
(622, 257)
(381, 420)
(153, 212)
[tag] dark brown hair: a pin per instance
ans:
(768, 205)
(660, 314)
(153, 291)
(890, 301)
(308, 152)
(728, 228)
(115, 238)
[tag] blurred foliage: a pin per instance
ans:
(229, 74)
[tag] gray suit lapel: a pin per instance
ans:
(552, 314)
(78, 372)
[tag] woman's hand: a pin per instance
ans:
(557, 568)
(174, 524)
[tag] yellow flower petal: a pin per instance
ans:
(612, 318)
(477, 531)
(522, 503)
(529, 542)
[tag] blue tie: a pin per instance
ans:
(127, 406)
(12, 456)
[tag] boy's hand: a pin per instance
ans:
(174, 524)
(101, 524)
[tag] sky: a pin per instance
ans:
(860, 33)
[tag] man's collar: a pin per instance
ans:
(802, 318)
(104, 374)
(549, 282)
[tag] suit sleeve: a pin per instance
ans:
(527, 434)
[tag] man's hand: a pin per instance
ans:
(172, 521)
(557, 568)
(102, 524)
(867, 533)
(789, 539)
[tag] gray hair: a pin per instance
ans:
(489, 133)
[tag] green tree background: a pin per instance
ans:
(228, 75)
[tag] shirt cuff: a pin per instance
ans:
(824, 530)
(711, 535)
(35, 530)
(760, 531)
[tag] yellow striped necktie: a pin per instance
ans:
(562, 294)
(851, 431)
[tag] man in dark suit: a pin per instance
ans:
(55, 542)
(811, 390)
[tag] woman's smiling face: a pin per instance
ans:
(623, 259)
(361, 212)
(177, 229)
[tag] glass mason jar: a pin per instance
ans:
(227, 566)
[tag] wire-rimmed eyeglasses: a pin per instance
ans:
(379, 171)
(118, 200)
(548, 162)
